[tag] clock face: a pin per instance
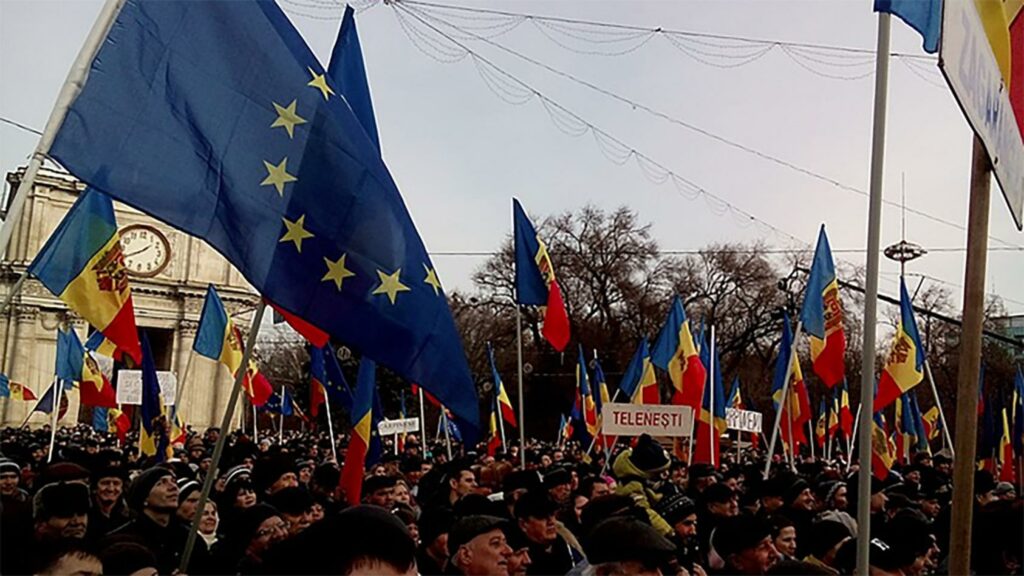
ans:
(146, 250)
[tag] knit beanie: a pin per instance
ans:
(249, 522)
(649, 456)
(143, 484)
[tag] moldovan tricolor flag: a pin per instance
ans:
(904, 368)
(154, 434)
(14, 390)
(675, 352)
(82, 263)
(822, 315)
(798, 407)
(94, 388)
(351, 482)
(1018, 415)
(1006, 464)
(586, 397)
(494, 439)
(881, 450)
(317, 377)
(535, 279)
(217, 338)
(639, 383)
(711, 421)
(504, 404)
(845, 414)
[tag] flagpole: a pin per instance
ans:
(501, 421)
(792, 440)
(280, 431)
(330, 424)
(218, 450)
(853, 438)
(600, 422)
(73, 84)
(522, 413)
(447, 434)
(871, 288)
(711, 403)
(423, 421)
(782, 403)
(58, 388)
(810, 427)
(942, 414)
(255, 423)
(180, 389)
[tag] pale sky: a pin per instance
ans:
(459, 152)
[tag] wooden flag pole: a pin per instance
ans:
(970, 361)
(218, 450)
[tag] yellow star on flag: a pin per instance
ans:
(390, 285)
(432, 279)
(278, 176)
(320, 83)
(287, 118)
(296, 232)
(336, 271)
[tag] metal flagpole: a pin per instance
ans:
(447, 434)
(330, 425)
(867, 401)
(280, 430)
(179, 390)
(522, 416)
(58, 389)
(423, 422)
(942, 414)
(792, 441)
(600, 423)
(69, 91)
(853, 439)
(785, 398)
(255, 423)
(501, 421)
(218, 450)
(711, 403)
(814, 436)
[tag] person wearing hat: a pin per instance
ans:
(623, 545)
(10, 477)
(304, 466)
(379, 491)
(681, 513)
(772, 492)
(558, 483)
(273, 473)
(745, 545)
(636, 470)
(550, 548)
(109, 510)
(799, 507)
(257, 529)
(296, 508)
(831, 495)
(824, 541)
(153, 501)
(189, 492)
(519, 560)
(700, 476)
(60, 510)
(984, 488)
(1005, 491)
(478, 546)
(432, 552)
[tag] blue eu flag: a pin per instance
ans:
(216, 118)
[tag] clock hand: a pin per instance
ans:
(137, 252)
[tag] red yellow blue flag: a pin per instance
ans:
(845, 414)
(82, 263)
(508, 414)
(904, 368)
(711, 423)
(882, 457)
(675, 352)
(639, 383)
(351, 482)
(1006, 463)
(217, 338)
(155, 432)
(822, 316)
(536, 284)
(797, 409)
(317, 377)
(586, 397)
(15, 390)
(1018, 414)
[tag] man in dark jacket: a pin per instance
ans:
(549, 552)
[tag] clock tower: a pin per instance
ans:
(169, 272)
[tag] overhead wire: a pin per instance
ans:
(633, 104)
(605, 139)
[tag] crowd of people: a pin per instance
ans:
(276, 508)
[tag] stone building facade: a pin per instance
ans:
(169, 273)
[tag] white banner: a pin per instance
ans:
(970, 67)
(391, 427)
(657, 420)
(129, 386)
(743, 420)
